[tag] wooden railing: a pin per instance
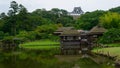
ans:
(70, 42)
(71, 47)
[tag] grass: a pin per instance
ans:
(114, 45)
(40, 47)
(40, 44)
(112, 51)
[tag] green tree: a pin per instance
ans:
(66, 21)
(110, 20)
(55, 11)
(10, 13)
(88, 20)
(55, 16)
(64, 12)
(1, 35)
(12, 17)
(116, 9)
(46, 31)
(27, 35)
(14, 7)
(111, 36)
(2, 15)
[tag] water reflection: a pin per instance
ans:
(31, 59)
(43, 59)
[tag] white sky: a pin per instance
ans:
(86, 5)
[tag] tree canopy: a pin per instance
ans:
(116, 9)
(39, 24)
(111, 36)
(89, 20)
(110, 20)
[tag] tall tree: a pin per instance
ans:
(11, 22)
(12, 19)
(14, 7)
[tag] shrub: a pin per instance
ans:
(16, 40)
(111, 36)
(27, 36)
(46, 31)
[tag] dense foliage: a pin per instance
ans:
(110, 20)
(116, 9)
(89, 20)
(111, 36)
(39, 24)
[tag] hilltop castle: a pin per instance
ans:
(77, 11)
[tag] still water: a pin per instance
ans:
(43, 59)
(32, 59)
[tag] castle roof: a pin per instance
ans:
(77, 10)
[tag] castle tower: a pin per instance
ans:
(77, 11)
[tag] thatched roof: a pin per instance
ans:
(62, 29)
(97, 30)
(70, 33)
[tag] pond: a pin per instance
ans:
(43, 59)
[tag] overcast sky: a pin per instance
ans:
(86, 5)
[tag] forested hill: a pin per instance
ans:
(41, 23)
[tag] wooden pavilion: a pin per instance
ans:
(70, 42)
(78, 41)
(95, 33)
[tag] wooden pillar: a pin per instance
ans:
(75, 52)
(62, 51)
(65, 52)
(117, 65)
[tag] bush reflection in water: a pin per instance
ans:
(32, 59)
